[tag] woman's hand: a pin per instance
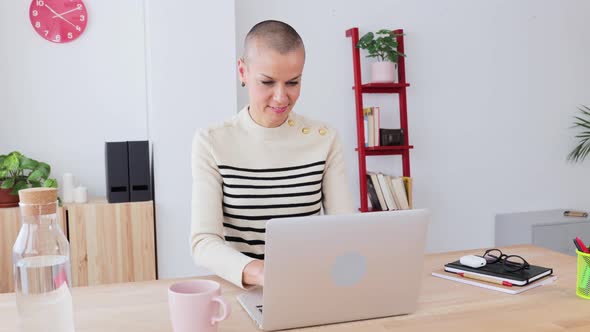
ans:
(253, 273)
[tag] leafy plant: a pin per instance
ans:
(580, 152)
(18, 172)
(381, 45)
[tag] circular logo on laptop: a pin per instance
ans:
(348, 269)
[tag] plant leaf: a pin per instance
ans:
(7, 184)
(11, 163)
(27, 163)
(37, 175)
(18, 186)
(50, 183)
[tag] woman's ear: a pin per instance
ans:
(242, 70)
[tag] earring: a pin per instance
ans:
(243, 84)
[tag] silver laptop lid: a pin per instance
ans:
(336, 268)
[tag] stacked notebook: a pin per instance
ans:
(493, 276)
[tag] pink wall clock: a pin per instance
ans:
(59, 21)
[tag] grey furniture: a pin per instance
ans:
(549, 229)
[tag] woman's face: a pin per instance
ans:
(273, 81)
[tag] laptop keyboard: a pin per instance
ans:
(259, 307)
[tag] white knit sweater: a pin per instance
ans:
(245, 174)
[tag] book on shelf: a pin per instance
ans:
(366, 112)
(399, 191)
(384, 183)
(490, 285)
(378, 191)
(371, 125)
(377, 125)
(372, 193)
(409, 187)
(387, 192)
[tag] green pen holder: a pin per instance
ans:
(583, 275)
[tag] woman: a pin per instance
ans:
(266, 162)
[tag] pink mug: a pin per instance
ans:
(194, 306)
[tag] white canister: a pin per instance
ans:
(67, 187)
(80, 194)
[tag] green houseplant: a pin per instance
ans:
(382, 45)
(17, 172)
(580, 152)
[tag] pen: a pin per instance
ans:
(578, 246)
(482, 278)
(582, 245)
(575, 214)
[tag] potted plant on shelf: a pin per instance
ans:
(18, 172)
(383, 46)
(580, 152)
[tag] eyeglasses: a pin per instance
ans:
(510, 263)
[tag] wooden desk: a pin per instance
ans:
(444, 305)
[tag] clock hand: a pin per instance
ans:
(69, 11)
(58, 15)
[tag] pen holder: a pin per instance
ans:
(583, 275)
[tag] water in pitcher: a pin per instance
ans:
(43, 296)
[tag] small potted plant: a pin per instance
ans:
(18, 172)
(383, 46)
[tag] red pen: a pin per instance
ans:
(582, 245)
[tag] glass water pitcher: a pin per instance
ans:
(41, 260)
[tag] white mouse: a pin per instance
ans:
(472, 261)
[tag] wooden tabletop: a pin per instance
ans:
(443, 305)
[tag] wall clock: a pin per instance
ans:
(59, 21)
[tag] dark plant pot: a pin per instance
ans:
(7, 199)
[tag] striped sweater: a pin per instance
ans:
(245, 174)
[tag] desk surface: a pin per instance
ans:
(443, 305)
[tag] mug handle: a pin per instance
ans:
(226, 310)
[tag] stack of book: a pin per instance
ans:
(495, 277)
(372, 125)
(389, 192)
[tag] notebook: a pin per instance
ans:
(504, 289)
(496, 271)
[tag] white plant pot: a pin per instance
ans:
(383, 72)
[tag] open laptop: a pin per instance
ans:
(337, 268)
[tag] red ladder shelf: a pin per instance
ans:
(395, 88)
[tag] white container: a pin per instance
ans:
(80, 195)
(67, 187)
(384, 72)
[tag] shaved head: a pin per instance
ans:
(275, 35)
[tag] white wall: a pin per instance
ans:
(494, 86)
(59, 103)
(192, 85)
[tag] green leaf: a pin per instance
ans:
(11, 162)
(45, 166)
(27, 163)
(35, 184)
(18, 186)
(37, 175)
(50, 183)
(7, 184)
(4, 174)
(2, 157)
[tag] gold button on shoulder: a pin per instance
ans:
(323, 131)
(305, 130)
(291, 122)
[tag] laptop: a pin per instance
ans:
(338, 268)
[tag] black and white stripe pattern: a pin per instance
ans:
(253, 196)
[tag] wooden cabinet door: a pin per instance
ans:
(112, 242)
(9, 226)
